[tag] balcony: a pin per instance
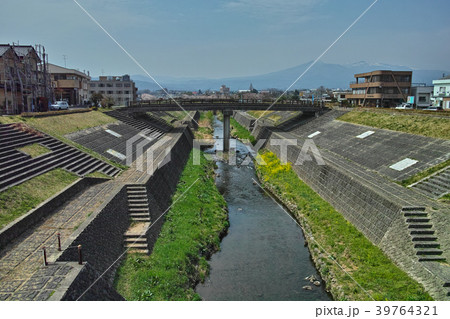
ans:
(68, 84)
(354, 85)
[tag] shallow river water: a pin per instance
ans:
(263, 256)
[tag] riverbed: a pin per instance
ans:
(263, 256)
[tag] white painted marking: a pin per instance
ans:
(116, 154)
(365, 134)
(400, 166)
(314, 134)
(113, 133)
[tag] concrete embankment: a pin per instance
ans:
(102, 234)
(373, 205)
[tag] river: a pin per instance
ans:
(263, 256)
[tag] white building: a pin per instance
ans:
(422, 95)
(441, 94)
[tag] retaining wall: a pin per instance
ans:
(244, 119)
(101, 235)
(369, 211)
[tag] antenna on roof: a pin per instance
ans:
(65, 60)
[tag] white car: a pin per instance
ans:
(404, 106)
(60, 105)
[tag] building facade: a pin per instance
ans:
(24, 79)
(422, 95)
(441, 93)
(381, 88)
(120, 88)
(69, 85)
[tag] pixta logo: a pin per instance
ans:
(147, 155)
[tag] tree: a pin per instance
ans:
(96, 98)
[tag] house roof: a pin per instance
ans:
(20, 50)
(56, 69)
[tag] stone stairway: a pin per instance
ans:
(17, 167)
(422, 234)
(436, 185)
(137, 124)
(135, 238)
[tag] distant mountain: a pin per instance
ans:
(326, 74)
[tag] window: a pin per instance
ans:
(102, 92)
(119, 92)
(127, 92)
(101, 85)
(422, 98)
(109, 85)
(92, 85)
(110, 92)
(92, 92)
(118, 85)
(127, 85)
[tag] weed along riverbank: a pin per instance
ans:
(352, 266)
(191, 232)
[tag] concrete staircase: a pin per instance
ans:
(422, 234)
(156, 121)
(17, 167)
(436, 185)
(135, 238)
(137, 124)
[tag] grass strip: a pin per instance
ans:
(205, 126)
(425, 173)
(430, 126)
(18, 200)
(34, 150)
(60, 125)
(365, 262)
(240, 132)
(192, 231)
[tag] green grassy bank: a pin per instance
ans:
(240, 132)
(18, 200)
(60, 125)
(333, 234)
(192, 231)
(430, 126)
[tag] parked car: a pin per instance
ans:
(404, 106)
(434, 108)
(59, 105)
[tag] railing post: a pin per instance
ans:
(59, 241)
(45, 256)
(80, 256)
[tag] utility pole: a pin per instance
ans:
(65, 60)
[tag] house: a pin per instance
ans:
(441, 93)
(120, 88)
(382, 88)
(69, 84)
(24, 79)
(422, 95)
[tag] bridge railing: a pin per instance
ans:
(221, 102)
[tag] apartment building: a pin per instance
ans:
(383, 88)
(69, 85)
(24, 79)
(120, 88)
(441, 94)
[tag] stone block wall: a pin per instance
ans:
(101, 236)
(244, 119)
(366, 209)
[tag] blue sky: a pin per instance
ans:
(218, 38)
